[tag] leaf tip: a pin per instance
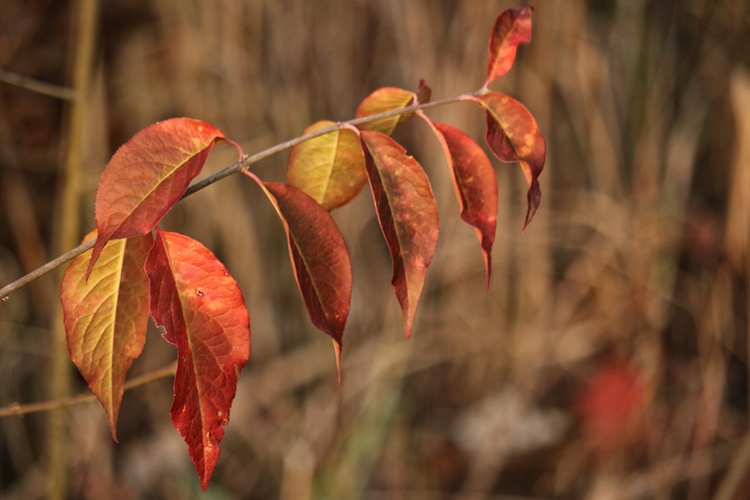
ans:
(488, 268)
(424, 92)
(408, 322)
(337, 352)
(113, 429)
(534, 198)
(97, 250)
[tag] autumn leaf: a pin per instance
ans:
(475, 183)
(105, 317)
(424, 92)
(388, 99)
(329, 168)
(407, 213)
(512, 28)
(148, 175)
(513, 135)
(611, 407)
(203, 313)
(319, 257)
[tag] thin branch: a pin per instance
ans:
(233, 169)
(18, 410)
(41, 271)
(249, 160)
(38, 86)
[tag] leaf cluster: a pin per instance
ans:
(132, 268)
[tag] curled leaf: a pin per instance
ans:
(407, 213)
(513, 135)
(203, 313)
(388, 99)
(106, 317)
(148, 174)
(512, 28)
(319, 257)
(424, 92)
(329, 168)
(475, 183)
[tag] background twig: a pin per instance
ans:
(37, 86)
(19, 410)
(84, 29)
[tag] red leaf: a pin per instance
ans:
(203, 313)
(106, 317)
(148, 175)
(329, 168)
(407, 214)
(512, 28)
(513, 135)
(612, 407)
(319, 257)
(388, 99)
(475, 183)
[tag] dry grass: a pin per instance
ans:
(638, 256)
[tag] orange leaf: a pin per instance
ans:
(148, 175)
(475, 183)
(106, 317)
(512, 28)
(203, 313)
(513, 135)
(407, 213)
(319, 257)
(329, 168)
(388, 99)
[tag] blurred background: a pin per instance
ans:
(609, 358)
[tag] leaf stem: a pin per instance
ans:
(233, 169)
